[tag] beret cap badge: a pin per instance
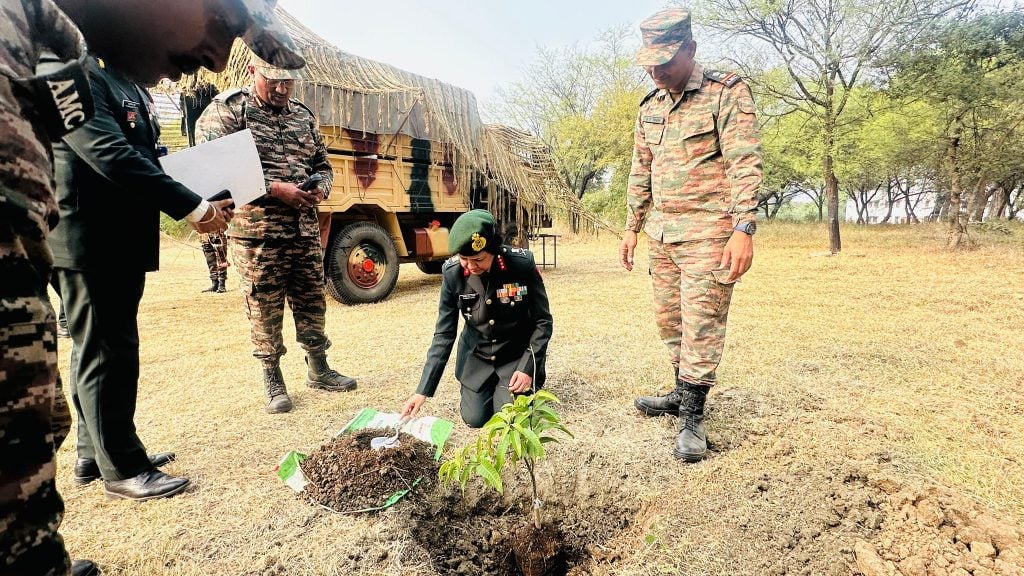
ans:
(479, 242)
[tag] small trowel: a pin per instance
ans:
(390, 441)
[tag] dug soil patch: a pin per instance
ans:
(931, 531)
(476, 535)
(346, 475)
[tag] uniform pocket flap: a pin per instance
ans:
(697, 126)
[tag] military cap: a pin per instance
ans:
(273, 72)
(474, 232)
(266, 36)
(663, 34)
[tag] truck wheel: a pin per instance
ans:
(432, 267)
(361, 263)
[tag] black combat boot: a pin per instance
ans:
(662, 405)
(277, 396)
(220, 288)
(320, 375)
(692, 442)
(213, 285)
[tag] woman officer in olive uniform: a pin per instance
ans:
(499, 292)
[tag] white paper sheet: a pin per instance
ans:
(228, 163)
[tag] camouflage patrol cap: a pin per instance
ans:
(663, 34)
(274, 73)
(474, 232)
(267, 37)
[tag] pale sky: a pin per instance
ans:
(473, 44)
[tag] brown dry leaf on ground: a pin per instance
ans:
(861, 400)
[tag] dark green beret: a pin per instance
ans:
(474, 232)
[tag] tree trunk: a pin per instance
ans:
(890, 200)
(958, 235)
(909, 209)
(998, 201)
(979, 200)
(941, 202)
(1013, 200)
(831, 182)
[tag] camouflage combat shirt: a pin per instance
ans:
(27, 28)
(291, 149)
(696, 162)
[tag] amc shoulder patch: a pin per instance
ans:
(728, 78)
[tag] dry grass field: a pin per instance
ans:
(868, 408)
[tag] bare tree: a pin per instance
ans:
(824, 47)
(562, 91)
(863, 194)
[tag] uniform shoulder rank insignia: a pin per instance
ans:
(514, 250)
(730, 79)
(649, 96)
(453, 261)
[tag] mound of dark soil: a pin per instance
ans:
(346, 475)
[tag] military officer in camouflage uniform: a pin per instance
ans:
(34, 416)
(35, 109)
(275, 240)
(499, 292)
(215, 250)
(692, 188)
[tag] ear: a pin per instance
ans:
(251, 69)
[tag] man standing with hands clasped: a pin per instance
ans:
(275, 240)
(692, 188)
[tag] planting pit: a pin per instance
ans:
(483, 535)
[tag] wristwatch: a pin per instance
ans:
(747, 228)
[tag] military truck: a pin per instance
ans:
(410, 154)
(393, 201)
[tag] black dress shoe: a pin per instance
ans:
(84, 568)
(146, 486)
(86, 469)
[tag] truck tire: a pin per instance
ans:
(432, 267)
(361, 264)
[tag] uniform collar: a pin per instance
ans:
(696, 78)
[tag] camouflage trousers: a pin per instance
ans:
(691, 305)
(34, 417)
(276, 270)
(215, 249)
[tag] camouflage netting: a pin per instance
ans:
(363, 95)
